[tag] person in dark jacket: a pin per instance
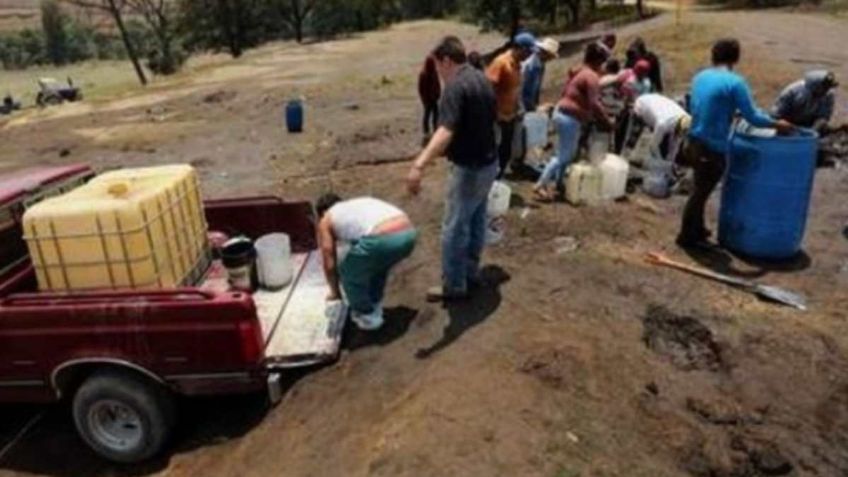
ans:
(808, 102)
(429, 90)
(639, 51)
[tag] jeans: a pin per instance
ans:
(568, 132)
(431, 116)
(365, 269)
(464, 225)
(709, 168)
(507, 138)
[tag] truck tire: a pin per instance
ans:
(123, 417)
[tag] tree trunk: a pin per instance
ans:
(119, 22)
(298, 30)
(515, 18)
(297, 20)
(574, 9)
(227, 24)
(640, 8)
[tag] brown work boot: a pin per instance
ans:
(439, 293)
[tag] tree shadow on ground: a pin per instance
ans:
(397, 321)
(467, 314)
(723, 261)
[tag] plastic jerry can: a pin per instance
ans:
(615, 171)
(584, 185)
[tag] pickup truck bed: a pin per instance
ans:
(298, 329)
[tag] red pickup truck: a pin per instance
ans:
(121, 357)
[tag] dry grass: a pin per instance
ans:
(98, 79)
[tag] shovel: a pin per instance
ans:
(774, 294)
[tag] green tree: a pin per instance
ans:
(166, 57)
(232, 25)
(296, 14)
(509, 15)
(116, 10)
(53, 24)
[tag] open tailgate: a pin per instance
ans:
(298, 327)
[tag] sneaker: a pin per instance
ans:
(439, 293)
(368, 321)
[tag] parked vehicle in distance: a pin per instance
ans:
(52, 92)
(122, 356)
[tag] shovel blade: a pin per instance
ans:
(780, 295)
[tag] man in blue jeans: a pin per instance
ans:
(718, 93)
(467, 116)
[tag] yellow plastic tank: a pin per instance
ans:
(131, 228)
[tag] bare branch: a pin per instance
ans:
(95, 4)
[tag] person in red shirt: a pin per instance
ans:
(429, 90)
(580, 106)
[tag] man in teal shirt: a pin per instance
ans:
(717, 95)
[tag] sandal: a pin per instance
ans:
(542, 195)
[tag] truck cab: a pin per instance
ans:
(121, 356)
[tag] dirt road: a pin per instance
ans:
(579, 363)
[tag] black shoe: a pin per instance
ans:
(694, 243)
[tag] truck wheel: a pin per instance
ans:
(122, 417)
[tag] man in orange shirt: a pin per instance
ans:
(505, 74)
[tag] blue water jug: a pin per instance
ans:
(766, 194)
(294, 116)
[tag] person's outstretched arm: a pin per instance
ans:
(749, 110)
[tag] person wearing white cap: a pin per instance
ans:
(533, 72)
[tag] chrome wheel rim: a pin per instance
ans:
(115, 425)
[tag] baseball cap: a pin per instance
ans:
(525, 40)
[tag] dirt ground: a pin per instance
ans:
(585, 362)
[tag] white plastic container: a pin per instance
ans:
(273, 261)
(499, 197)
(615, 171)
(536, 125)
(599, 146)
(496, 208)
(584, 185)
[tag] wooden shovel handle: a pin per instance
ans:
(656, 258)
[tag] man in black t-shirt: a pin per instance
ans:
(466, 135)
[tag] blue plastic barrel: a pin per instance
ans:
(766, 194)
(294, 116)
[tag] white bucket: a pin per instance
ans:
(273, 261)
(496, 208)
(499, 197)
